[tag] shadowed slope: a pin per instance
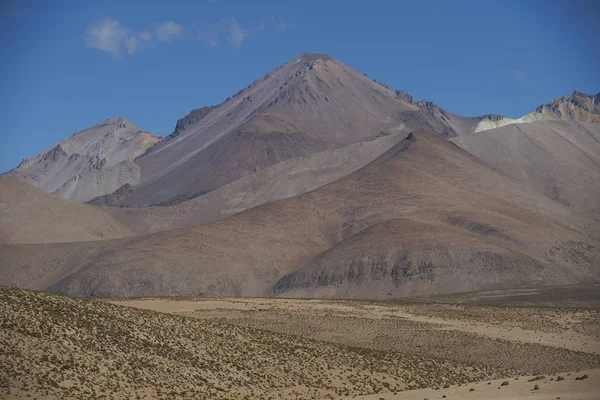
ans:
(30, 215)
(280, 181)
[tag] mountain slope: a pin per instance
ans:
(280, 181)
(578, 106)
(309, 104)
(425, 217)
(559, 159)
(89, 163)
(30, 215)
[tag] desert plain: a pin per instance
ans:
(501, 344)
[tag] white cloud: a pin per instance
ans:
(236, 34)
(168, 31)
(107, 35)
(131, 43)
(145, 35)
(111, 36)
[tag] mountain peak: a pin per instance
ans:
(118, 120)
(430, 107)
(577, 106)
(314, 57)
(102, 154)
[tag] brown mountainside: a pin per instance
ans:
(425, 217)
(310, 104)
(30, 215)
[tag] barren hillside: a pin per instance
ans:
(89, 163)
(559, 159)
(310, 104)
(30, 215)
(425, 217)
(280, 181)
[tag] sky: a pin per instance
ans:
(67, 65)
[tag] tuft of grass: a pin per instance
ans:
(537, 378)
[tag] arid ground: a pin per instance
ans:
(226, 348)
(526, 345)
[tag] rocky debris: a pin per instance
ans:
(54, 154)
(113, 199)
(491, 117)
(577, 106)
(97, 163)
(404, 96)
(431, 108)
(74, 157)
(190, 119)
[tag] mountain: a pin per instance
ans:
(560, 159)
(30, 215)
(575, 107)
(308, 105)
(279, 181)
(424, 217)
(90, 163)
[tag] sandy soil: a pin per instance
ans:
(549, 389)
(561, 330)
(525, 340)
(246, 348)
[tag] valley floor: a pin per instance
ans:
(253, 348)
(517, 389)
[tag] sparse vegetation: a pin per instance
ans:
(57, 346)
(537, 378)
(62, 347)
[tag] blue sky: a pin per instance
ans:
(70, 64)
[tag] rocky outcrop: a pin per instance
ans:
(54, 154)
(190, 119)
(404, 96)
(113, 199)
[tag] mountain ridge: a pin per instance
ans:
(480, 230)
(310, 104)
(90, 162)
(277, 105)
(578, 106)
